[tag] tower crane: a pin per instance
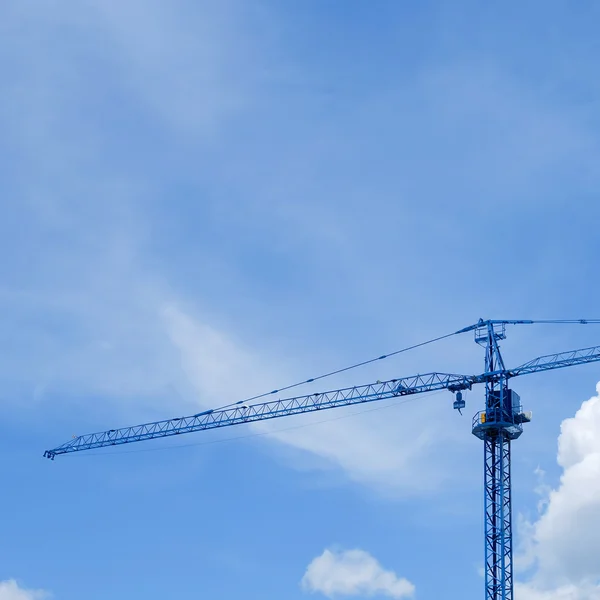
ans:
(497, 425)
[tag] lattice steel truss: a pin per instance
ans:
(498, 517)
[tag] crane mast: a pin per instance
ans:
(497, 426)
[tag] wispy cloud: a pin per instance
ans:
(95, 291)
(84, 295)
(192, 67)
(383, 448)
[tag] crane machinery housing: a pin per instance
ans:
(497, 425)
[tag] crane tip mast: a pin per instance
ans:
(497, 425)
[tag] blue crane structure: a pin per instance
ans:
(497, 426)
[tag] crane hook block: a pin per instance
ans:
(459, 403)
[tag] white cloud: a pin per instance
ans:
(85, 319)
(10, 590)
(564, 543)
(529, 591)
(353, 573)
(218, 366)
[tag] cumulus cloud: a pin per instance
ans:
(353, 573)
(563, 543)
(10, 590)
(529, 591)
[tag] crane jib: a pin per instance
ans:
(416, 384)
(236, 415)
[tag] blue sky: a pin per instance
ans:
(202, 201)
